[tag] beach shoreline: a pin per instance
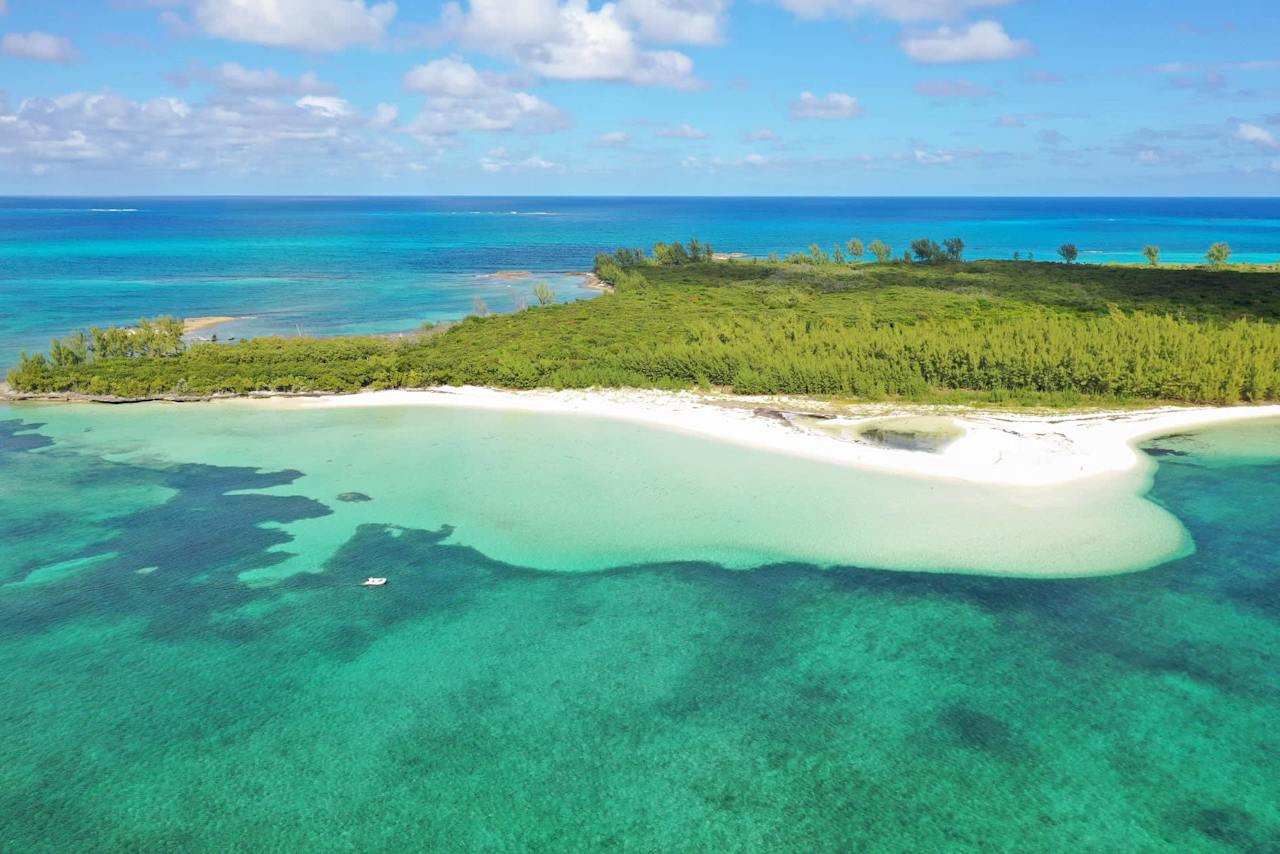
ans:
(1036, 468)
(198, 324)
(996, 448)
(993, 447)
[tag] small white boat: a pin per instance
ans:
(373, 582)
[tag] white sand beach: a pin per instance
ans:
(998, 448)
(198, 324)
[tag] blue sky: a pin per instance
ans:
(732, 97)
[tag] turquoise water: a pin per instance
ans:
(176, 681)
(351, 266)
(511, 485)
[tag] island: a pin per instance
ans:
(935, 330)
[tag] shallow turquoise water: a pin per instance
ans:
(657, 705)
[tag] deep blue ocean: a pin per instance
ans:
(365, 265)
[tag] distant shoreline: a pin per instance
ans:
(196, 324)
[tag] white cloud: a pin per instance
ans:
(328, 106)
(460, 98)
(897, 10)
(1258, 135)
(711, 165)
(226, 135)
(932, 158)
(39, 46)
(234, 77)
(684, 131)
(761, 135)
(613, 139)
(452, 78)
(834, 105)
(501, 160)
(385, 116)
(676, 21)
(568, 41)
(4, 7)
(981, 41)
(321, 25)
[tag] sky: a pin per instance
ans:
(640, 97)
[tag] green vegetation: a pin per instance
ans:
(928, 251)
(1218, 254)
(991, 331)
(1152, 254)
(1069, 252)
(544, 294)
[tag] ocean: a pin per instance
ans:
(327, 266)
(598, 636)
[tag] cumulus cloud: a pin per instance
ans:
(234, 77)
(228, 134)
(453, 77)
(327, 106)
(1256, 134)
(384, 116)
(832, 106)
(684, 131)
(42, 47)
(897, 10)
(568, 41)
(762, 135)
(981, 41)
(952, 89)
(321, 25)
(460, 98)
(676, 21)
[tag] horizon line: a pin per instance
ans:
(603, 196)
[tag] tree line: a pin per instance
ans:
(618, 268)
(160, 336)
(776, 351)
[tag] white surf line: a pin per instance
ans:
(996, 448)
